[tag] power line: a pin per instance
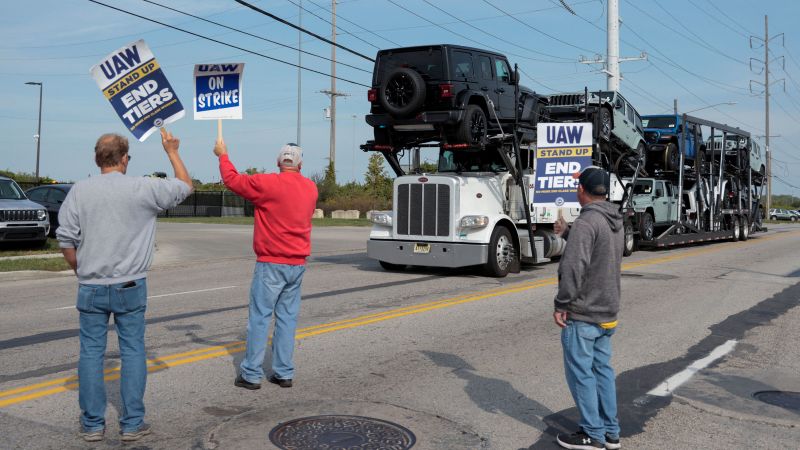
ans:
(536, 29)
(785, 182)
(536, 81)
(285, 22)
(339, 17)
(329, 22)
(721, 11)
(700, 41)
(253, 35)
(494, 35)
(226, 44)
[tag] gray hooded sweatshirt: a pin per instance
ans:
(589, 272)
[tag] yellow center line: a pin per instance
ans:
(179, 359)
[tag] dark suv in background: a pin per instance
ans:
(445, 93)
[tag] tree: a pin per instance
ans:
(377, 182)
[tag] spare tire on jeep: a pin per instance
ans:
(402, 92)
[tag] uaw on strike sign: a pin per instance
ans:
(133, 82)
(218, 91)
(562, 150)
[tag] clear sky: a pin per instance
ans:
(699, 52)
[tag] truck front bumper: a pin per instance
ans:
(15, 232)
(441, 254)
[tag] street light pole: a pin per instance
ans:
(39, 129)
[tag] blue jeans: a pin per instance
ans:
(587, 356)
(275, 288)
(95, 304)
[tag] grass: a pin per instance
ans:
(48, 264)
(325, 222)
(28, 248)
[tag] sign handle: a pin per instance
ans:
(219, 130)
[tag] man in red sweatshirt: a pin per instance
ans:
(284, 205)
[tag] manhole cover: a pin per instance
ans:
(341, 433)
(784, 399)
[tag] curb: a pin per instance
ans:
(20, 275)
(34, 256)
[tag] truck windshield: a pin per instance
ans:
(658, 122)
(10, 191)
(643, 187)
(470, 161)
(425, 61)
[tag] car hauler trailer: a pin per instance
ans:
(717, 197)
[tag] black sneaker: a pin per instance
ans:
(129, 436)
(578, 441)
(287, 383)
(612, 444)
(242, 383)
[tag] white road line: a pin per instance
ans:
(161, 295)
(667, 387)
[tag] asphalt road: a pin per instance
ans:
(460, 360)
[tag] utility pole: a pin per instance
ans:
(332, 93)
(612, 59)
(299, 70)
(768, 151)
(38, 136)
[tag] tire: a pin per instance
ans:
(672, 157)
(641, 154)
(502, 254)
(744, 233)
(775, 218)
(402, 92)
(473, 127)
(647, 227)
(629, 242)
(605, 124)
(793, 219)
(737, 228)
(392, 267)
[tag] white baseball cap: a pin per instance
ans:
(290, 155)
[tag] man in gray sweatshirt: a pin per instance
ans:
(586, 309)
(106, 233)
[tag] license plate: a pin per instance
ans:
(422, 248)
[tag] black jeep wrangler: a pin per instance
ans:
(448, 94)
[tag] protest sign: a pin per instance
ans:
(133, 82)
(218, 91)
(562, 150)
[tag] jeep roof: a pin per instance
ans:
(431, 69)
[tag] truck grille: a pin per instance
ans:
(565, 100)
(651, 137)
(423, 209)
(18, 215)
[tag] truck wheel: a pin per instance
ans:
(744, 234)
(647, 227)
(473, 127)
(502, 253)
(630, 241)
(672, 159)
(402, 92)
(392, 267)
(736, 228)
(605, 123)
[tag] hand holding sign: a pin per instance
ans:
(170, 143)
(220, 148)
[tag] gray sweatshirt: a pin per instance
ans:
(589, 272)
(111, 220)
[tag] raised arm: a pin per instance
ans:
(243, 185)
(171, 145)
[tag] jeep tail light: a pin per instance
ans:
(445, 91)
(372, 95)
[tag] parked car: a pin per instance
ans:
(20, 218)
(445, 93)
(616, 120)
(50, 196)
(783, 214)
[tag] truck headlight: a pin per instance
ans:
(474, 221)
(41, 214)
(382, 219)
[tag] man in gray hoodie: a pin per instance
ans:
(107, 232)
(586, 309)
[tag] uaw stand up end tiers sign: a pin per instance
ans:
(562, 149)
(133, 82)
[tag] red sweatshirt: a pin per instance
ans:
(284, 205)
